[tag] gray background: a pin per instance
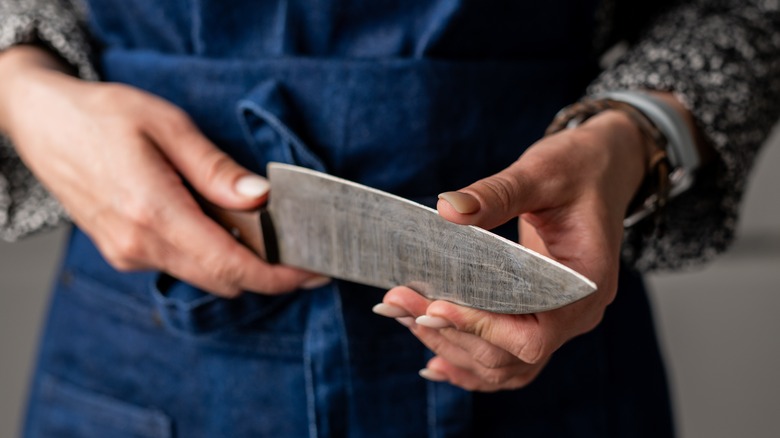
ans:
(719, 326)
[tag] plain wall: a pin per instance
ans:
(719, 326)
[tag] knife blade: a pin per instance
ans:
(345, 230)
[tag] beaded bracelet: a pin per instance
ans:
(653, 195)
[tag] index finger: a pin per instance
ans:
(206, 254)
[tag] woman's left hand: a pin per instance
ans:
(570, 191)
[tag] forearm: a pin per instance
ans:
(25, 205)
(57, 25)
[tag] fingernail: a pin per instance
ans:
(389, 310)
(315, 282)
(252, 186)
(433, 322)
(406, 321)
(433, 376)
(463, 203)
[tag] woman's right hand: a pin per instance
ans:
(115, 156)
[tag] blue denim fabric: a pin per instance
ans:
(413, 97)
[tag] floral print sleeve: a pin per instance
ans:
(722, 59)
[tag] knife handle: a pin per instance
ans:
(254, 229)
(268, 234)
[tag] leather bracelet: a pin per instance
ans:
(653, 195)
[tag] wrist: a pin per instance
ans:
(18, 66)
(626, 149)
(670, 128)
(636, 145)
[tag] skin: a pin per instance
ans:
(116, 158)
(570, 192)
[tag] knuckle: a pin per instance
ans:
(467, 384)
(533, 351)
(496, 377)
(502, 189)
(142, 214)
(117, 259)
(119, 263)
(112, 92)
(280, 282)
(481, 328)
(434, 343)
(489, 357)
(274, 283)
(129, 247)
(228, 292)
(108, 94)
(215, 165)
(175, 121)
(228, 276)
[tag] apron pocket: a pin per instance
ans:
(266, 118)
(188, 310)
(68, 411)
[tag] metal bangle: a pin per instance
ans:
(681, 146)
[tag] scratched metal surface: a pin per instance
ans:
(348, 231)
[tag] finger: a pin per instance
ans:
(494, 200)
(411, 302)
(479, 350)
(202, 252)
(460, 347)
(520, 335)
(210, 256)
(469, 361)
(211, 172)
(468, 351)
(171, 230)
(443, 370)
(497, 377)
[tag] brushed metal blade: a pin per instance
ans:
(352, 232)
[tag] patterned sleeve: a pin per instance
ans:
(722, 60)
(25, 206)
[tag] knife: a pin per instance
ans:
(341, 229)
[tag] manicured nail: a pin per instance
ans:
(315, 282)
(433, 322)
(463, 203)
(389, 310)
(252, 186)
(406, 321)
(432, 375)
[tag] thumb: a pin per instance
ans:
(491, 201)
(213, 174)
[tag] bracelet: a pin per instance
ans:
(655, 190)
(681, 145)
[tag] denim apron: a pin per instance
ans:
(414, 97)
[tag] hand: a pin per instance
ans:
(570, 191)
(115, 156)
